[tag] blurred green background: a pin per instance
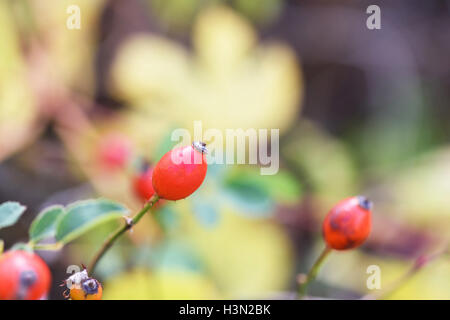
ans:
(359, 111)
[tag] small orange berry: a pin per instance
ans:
(90, 289)
(82, 287)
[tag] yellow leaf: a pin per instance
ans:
(141, 284)
(228, 82)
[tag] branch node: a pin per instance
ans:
(129, 223)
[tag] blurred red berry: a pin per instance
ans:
(114, 151)
(143, 185)
(180, 172)
(23, 276)
(348, 223)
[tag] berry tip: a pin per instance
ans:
(200, 146)
(365, 203)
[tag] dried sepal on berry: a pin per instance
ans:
(82, 287)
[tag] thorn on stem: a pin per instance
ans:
(129, 222)
(301, 278)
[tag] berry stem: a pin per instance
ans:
(312, 272)
(116, 235)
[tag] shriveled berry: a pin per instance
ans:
(23, 276)
(348, 223)
(81, 287)
(88, 289)
(180, 172)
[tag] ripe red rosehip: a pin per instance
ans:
(348, 223)
(23, 276)
(114, 151)
(180, 172)
(143, 185)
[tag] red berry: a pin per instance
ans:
(114, 151)
(143, 185)
(180, 172)
(348, 223)
(23, 276)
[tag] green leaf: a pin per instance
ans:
(82, 216)
(206, 212)
(251, 199)
(10, 212)
(44, 225)
(284, 188)
(281, 187)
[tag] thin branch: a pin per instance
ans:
(116, 235)
(305, 280)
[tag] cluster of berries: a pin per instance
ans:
(24, 275)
